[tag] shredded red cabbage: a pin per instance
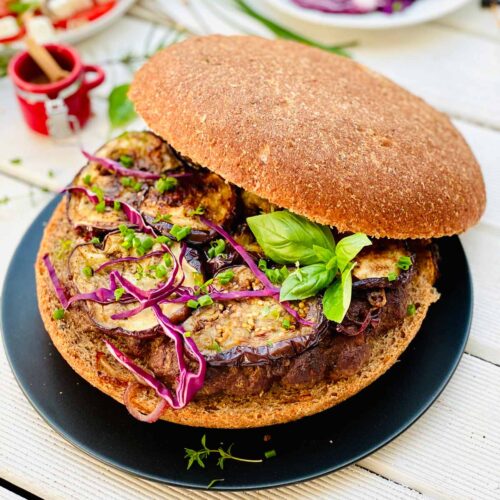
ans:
(119, 169)
(354, 6)
(58, 288)
(260, 275)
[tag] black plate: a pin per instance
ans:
(305, 449)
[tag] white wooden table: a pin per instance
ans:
(454, 449)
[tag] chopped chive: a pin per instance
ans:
(100, 207)
(58, 314)
(116, 205)
(167, 259)
(87, 271)
(392, 276)
(180, 232)
(193, 304)
(16, 161)
(136, 186)
(213, 481)
(118, 293)
(126, 160)
(160, 271)
(147, 243)
(225, 277)
(187, 334)
(126, 181)
(410, 310)
(217, 247)
(205, 300)
(270, 454)
(95, 241)
(86, 180)
(404, 263)
(286, 324)
(162, 240)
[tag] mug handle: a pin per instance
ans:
(100, 76)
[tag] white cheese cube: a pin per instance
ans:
(40, 29)
(62, 9)
(8, 27)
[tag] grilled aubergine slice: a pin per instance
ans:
(146, 273)
(252, 331)
(200, 190)
(137, 150)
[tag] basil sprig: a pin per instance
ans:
(287, 238)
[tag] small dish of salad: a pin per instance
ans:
(364, 14)
(50, 20)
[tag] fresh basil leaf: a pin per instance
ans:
(287, 238)
(120, 109)
(349, 247)
(306, 282)
(337, 297)
(323, 254)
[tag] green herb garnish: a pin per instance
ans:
(270, 454)
(16, 161)
(118, 293)
(193, 304)
(225, 277)
(95, 241)
(286, 324)
(127, 161)
(205, 300)
(217, 247)
(213, 481)
(404, 263)
(120, 109)
(180, 232)
(276, 276)
(160, 271)
(162, 218)
(199, 456)
(165, 184)
(410, 310)
(116, 205)
(87, 180)
(87, 271)
(58, 314)
(199, 210)
(392, 276)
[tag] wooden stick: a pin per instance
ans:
(45, 61)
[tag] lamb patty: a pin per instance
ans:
(335, 357)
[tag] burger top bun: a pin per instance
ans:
(318, 134)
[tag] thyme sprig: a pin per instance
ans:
(199, 456)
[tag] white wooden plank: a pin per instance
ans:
(452, 451)
(474, 20)
(37, 459)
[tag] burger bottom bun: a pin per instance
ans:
(79, 342)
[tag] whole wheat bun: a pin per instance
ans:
(318, 134)
(78, 340)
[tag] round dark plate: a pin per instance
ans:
(305, 449)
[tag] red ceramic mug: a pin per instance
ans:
(58, 108)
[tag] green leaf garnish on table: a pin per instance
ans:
(286, 34)
(199, 456)
(120, 109)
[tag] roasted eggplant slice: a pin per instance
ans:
(252, 331)
(138, 150)
(375, 263)
(198, 189)
(146, 273)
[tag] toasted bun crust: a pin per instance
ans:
(312, 132)
(79, 342)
